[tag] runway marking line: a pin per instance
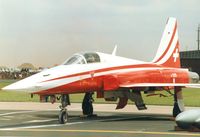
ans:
(56, 125)
(30, 129)
(17, 112)
(39, 121)
(39, 126)
(109, 131)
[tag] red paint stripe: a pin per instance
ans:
(169, 45)
(104, 70)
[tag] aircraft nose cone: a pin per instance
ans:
(22, 85)
(29, 84)
(16, 87)
(9, 87)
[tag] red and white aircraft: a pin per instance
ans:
(113, 77)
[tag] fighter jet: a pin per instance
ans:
(113, 77)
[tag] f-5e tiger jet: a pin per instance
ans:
(114, 78)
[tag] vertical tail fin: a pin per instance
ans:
(168, 51)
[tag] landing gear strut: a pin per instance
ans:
(63, 115)
(87, 106)
(178, 101)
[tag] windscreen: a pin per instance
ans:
(76, 59)
(84, 58)
(91, 57)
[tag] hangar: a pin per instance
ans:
(191, 60)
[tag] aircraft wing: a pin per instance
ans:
(187, 85)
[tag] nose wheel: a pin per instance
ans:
(63, 114)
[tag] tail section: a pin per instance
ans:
(168, 51)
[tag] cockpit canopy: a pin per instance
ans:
(83, 58)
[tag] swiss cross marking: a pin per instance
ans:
(175, 55)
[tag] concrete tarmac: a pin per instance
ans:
(44, 123)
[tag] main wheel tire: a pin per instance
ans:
(176, 109)
(87, 109)
(63, 116)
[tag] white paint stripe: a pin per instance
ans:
(10, 136)
(57, 125)
(39, 126)
(39, 121)
(171, 50)
(17, 112)
(6, 119)
(166, 37)
(8, 116)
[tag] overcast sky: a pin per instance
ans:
(47, 32)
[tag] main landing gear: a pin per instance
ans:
(178, 101)
(63, 115)
(87, 106)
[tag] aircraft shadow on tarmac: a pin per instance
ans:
(137, 117)
(115, 117)
(101, 117)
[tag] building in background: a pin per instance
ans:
(191, 60)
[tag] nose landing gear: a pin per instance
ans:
(87, 107)
(63, 115)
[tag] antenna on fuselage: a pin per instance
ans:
(114, 51)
